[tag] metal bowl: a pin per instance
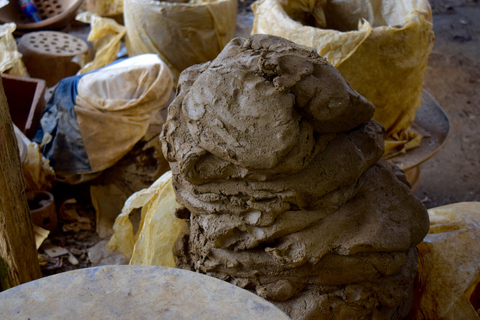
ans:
(433, 124)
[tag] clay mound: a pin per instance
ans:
(277, 162)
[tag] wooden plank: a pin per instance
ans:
(18, 255)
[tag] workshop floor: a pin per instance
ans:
(453, 78)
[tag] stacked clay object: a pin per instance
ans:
(277, 164)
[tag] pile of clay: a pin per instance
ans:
(277, 165)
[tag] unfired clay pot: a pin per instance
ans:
(42, 209)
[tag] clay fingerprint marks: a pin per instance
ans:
(245, 108)
(385, 298)
(177, 143)
(238, 118)
(377, 219)
(321, 93)
(337, 166)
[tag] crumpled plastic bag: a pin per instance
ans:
(37, 171)
(105, 33)
(40, 235)
(10, 59)
(449, 264)
(107, 201)
(95, 119)
(105, 7)
(380, 47)
(159, 227)
(181, 33)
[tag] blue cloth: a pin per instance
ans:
(66, 150)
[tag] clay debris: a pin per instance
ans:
(276, 161)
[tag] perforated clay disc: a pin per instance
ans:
(54, 43)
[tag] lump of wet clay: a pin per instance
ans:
(277, 164)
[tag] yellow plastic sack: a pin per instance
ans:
(449, 264)
(37, 171)
(105, 34)
(105, 8)
(380, 47)
(10, 59)
(40, 235)
(114, 106)
(159, 227)
(181, 33)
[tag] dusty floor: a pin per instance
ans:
(453, 78)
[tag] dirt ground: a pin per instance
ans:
(453, 78)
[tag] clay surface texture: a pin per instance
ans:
(278, 165)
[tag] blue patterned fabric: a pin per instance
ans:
(66, 150)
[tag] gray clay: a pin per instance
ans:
(278, 162)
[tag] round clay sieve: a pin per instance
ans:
(48, 55)
(54, 43)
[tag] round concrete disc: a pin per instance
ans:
(133, 292)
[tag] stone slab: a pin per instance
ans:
(133, 292)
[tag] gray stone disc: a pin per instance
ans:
(133, 292)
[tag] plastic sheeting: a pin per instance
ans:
(10, 58)
(105, 7)
(181, 33)
(94, 119)
(449, 264)
(380, 47)
(159, 227)
(105, 34)
(37, 171)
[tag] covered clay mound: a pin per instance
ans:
(276, 161)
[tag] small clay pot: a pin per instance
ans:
(42, 209)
